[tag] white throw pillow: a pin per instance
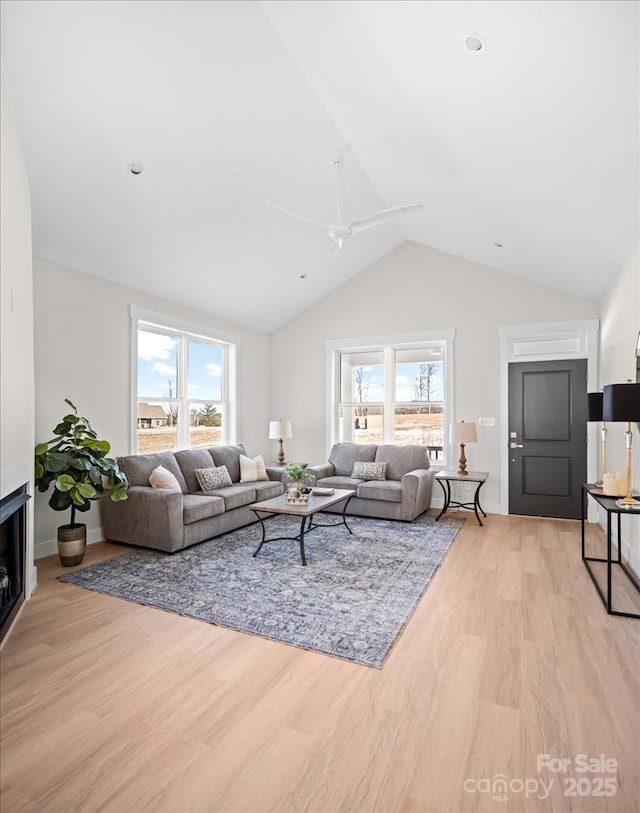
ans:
(217, 477)
(163, 478)
(252, 470)
(369, 471)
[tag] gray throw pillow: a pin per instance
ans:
(213, 478)
(369, 471)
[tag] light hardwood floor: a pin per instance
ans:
(107, 705)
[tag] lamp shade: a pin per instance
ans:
(621, 402)
(594, 406)
(463, 432)
(279, 429)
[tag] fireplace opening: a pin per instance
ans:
(13, 542)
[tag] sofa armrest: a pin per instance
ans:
(150, 517)
(322, 470)
(417, 486)
(275, 473)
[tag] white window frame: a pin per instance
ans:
(388, 344)
(142, 319)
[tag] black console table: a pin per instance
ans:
(609, 505)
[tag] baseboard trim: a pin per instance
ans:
(50, 546)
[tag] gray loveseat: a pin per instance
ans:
(404, 494)
(172, 520)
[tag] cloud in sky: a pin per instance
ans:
(164, 369)
(152, 346)
(213, 369)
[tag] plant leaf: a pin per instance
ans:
(86, 490)
(65, 482)
(60, 500)
(56, 461)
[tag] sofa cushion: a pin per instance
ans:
(369, 471)
(339, 482)
(197, 506)
(138, 468)
(228, 456)
(215, 477)
(191, 459)
(344, 455)
(265, 491)
(402, 459)
(235, 496)
(163, 478)
(252, 470)
(389, 490)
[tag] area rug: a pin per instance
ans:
(351, 601)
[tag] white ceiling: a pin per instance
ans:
(531, 142)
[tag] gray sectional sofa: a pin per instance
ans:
(171, 520)
(404, 494)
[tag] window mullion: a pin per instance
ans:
(389, 395)
(224, 396)
(183, 393)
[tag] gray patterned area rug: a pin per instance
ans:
(351, 601)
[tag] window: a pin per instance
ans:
(393, 391)
(184, 385)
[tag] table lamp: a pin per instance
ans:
(463, 433)
(594, 413)
(279, 430)
(621, 404)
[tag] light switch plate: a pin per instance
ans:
(486, 421)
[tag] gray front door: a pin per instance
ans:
(547, 437)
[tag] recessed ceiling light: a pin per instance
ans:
(135, 168)
(498, 245)
(474, 42)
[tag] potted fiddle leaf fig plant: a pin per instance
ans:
(297, 476)
(75, 461)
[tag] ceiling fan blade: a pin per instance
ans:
(383, 217)
(296, 215)
(335, 249)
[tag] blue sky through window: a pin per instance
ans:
(158, 363)
(406, 378)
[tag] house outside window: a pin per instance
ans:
(184, 385)
(396, 389)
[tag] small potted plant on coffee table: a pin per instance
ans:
(297, 492)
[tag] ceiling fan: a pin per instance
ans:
(339, 232)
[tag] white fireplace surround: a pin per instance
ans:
(12, 478)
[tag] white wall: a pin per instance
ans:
(16, 322)
(82, 352)
(415, 288)
(620, 324)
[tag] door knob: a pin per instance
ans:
(517, 445)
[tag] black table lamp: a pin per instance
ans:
(621, 403)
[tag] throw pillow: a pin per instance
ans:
(369, 471)
(216, 477)
(163, 478)
(252, 470)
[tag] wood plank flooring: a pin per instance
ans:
(107, 705)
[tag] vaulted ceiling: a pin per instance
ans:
(530, 143)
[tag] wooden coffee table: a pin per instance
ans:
(317, 503)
